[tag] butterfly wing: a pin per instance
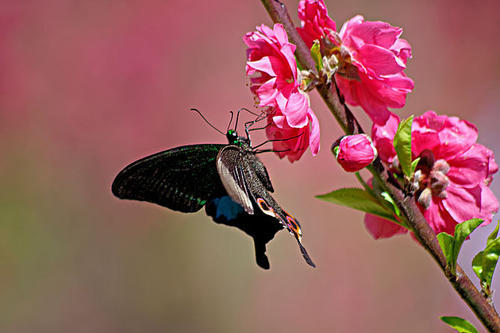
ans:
(260, 170)
(260, 227)
(243, 171)
(229, 161)
(182, 178)
(270, 207)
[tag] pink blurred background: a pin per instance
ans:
(88, 86)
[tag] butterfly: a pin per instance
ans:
(229, 180)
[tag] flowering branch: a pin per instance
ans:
(410, 213)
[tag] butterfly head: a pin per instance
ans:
(234, 139)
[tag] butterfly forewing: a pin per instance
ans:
(182, 178)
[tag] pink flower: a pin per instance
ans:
(379, 57)
(315, 22)
(355, 152)
(453, 174)
(292, 142)
(275, 80)
(371, 58)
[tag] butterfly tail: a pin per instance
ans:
(260, 254)
(305, 254)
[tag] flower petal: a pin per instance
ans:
(296, 109)
(461, 203)
(470, 168)
(382, 228)
(377, 33)
(314, 134)
(381, 61)
(489, 204)
(438, 218)
(383, 136)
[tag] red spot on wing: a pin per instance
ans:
(265, 207)
(293, 225)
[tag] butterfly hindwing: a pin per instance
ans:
(270, 207)
(260, 227)
(182, 178)
(243, 178)
(260, 170)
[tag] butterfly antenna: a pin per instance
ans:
(230, 121)
(215, 128)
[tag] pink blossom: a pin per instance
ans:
(355, 152)
(315, 22)
(379, 57)
(275, 80)
(453, 174)
(292, 142)
(371, 58)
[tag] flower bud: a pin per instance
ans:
(354, 152)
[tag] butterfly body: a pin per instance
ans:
(228, 180)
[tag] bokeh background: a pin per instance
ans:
(88, 86)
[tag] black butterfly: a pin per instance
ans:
(228, 179)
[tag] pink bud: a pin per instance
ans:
(354, 152)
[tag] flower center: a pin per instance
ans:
(430, 179)
(345, 66)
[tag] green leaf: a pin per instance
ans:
(446, 242)
(451, 245)
(489, 261)
(477, 265)
(462, 231)
(387, 197)
(299, 66)
(358, 199)
(493, 235)
(485, 262)
(336, 151)
(414, 165)
(402, 145)
(461, 325)
(316, 55)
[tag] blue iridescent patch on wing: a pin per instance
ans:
(227, 208)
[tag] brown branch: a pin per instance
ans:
(416, 221)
